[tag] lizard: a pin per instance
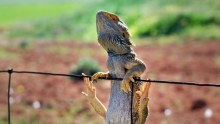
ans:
(122, 61)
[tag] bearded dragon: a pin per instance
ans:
(122, 61)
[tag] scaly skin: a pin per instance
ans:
(143, 102)
(114, 37)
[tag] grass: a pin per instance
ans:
(8, 55)
(217, 60)
(159, 18)
(13, 13)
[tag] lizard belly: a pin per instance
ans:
(119, 108)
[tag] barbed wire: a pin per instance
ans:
(3, 71)
(111, 78)
(11, 71)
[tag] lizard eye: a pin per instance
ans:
(114, 17)
(125, 34)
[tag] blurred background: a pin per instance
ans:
(178, 41)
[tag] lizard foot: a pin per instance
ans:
(100, 75)
(125, 87)
(90, 89)
(143, 92)
(143, 102)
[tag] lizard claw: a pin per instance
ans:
(125, 87)
(139, 93)
(90, 89)
(132, 79)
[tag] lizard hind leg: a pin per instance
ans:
(143, 102)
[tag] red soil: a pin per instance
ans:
(194, 62)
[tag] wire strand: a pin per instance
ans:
(136, 79)
(48, 73)
(132, 95)
(3, 71)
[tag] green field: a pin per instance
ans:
(56, 20)
(13, 13)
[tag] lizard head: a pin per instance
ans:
(109, 22)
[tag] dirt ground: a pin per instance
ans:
(169, 104)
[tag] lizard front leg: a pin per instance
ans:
(100, 75)
(94, 101)
(134, 69)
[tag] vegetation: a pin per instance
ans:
(24, 44)
(8, 55)
(12, 13)
(87, 66)
(183, 18)
(23, 21)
